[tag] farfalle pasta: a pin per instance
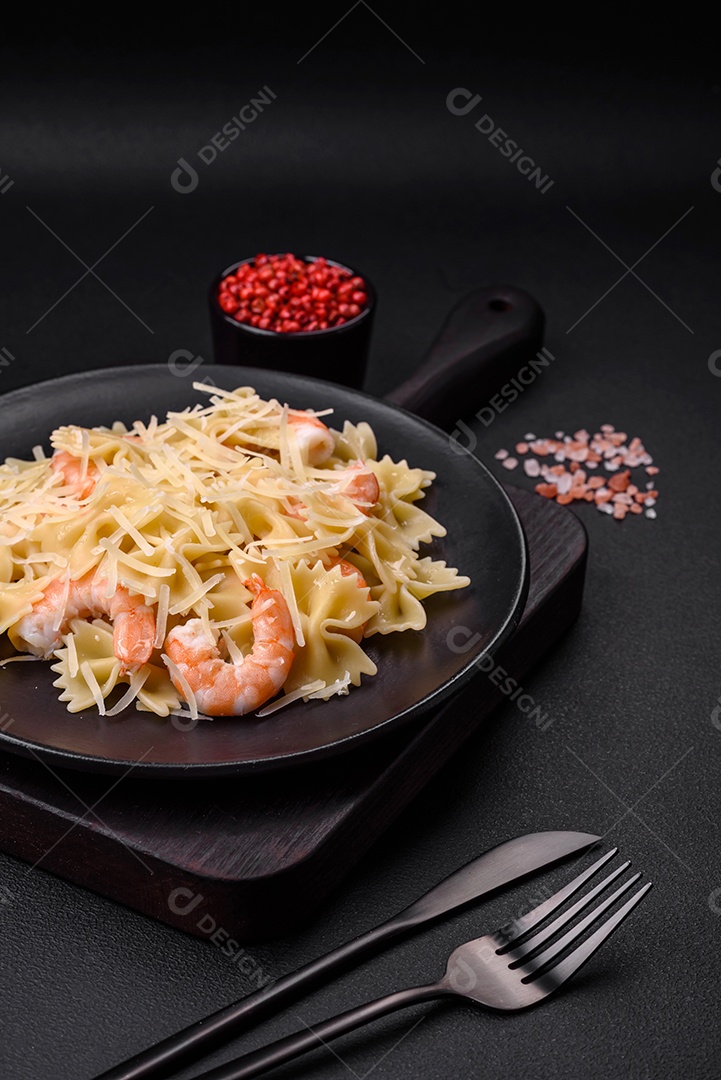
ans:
(235, 551)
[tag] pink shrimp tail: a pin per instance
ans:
(221, 688)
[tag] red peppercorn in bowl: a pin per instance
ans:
(310, 315)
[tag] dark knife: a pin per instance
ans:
(497, 868)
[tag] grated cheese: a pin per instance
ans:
(233, 651)
(145, 546)
(186, 690)
(200, 591)
(137, 681)
(161, 616)
(286, 585)
(294, 695)
(93, 685)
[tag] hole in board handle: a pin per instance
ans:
(499, 305)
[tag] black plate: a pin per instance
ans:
(416, 670)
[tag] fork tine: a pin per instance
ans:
(549, 931)
(575, 960)
(514, 930)
(575, 932)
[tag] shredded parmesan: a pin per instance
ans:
(286, 584)
(295, 695)
(185, 687)
(137, 681)
(190, 601)
(93, 685)
(18, 658)
(234, 652)
(146, 547)
(73, 661)
(340, 687)
(63, 603)
(161, 615)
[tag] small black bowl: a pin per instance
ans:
(338, 354)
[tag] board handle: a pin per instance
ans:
(483, 343)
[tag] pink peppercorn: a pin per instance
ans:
(285, 294)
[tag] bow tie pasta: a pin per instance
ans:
(237, 551)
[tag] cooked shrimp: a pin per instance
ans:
(314, 439)
(71, 470)
(361, 487)
(348, 570)
(358, 483)
(222, 688)
(133, 621)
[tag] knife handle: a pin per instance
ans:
(485, 341)
(200, 1038)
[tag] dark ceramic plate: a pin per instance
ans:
(416, 670)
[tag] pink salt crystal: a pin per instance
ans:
(501, 454)
(510, 463)
(650, 513)
(531, 467)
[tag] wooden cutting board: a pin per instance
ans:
(228, 853)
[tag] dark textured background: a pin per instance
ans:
(359, 158)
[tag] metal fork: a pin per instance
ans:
(507, 969)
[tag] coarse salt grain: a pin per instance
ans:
(567, 481)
